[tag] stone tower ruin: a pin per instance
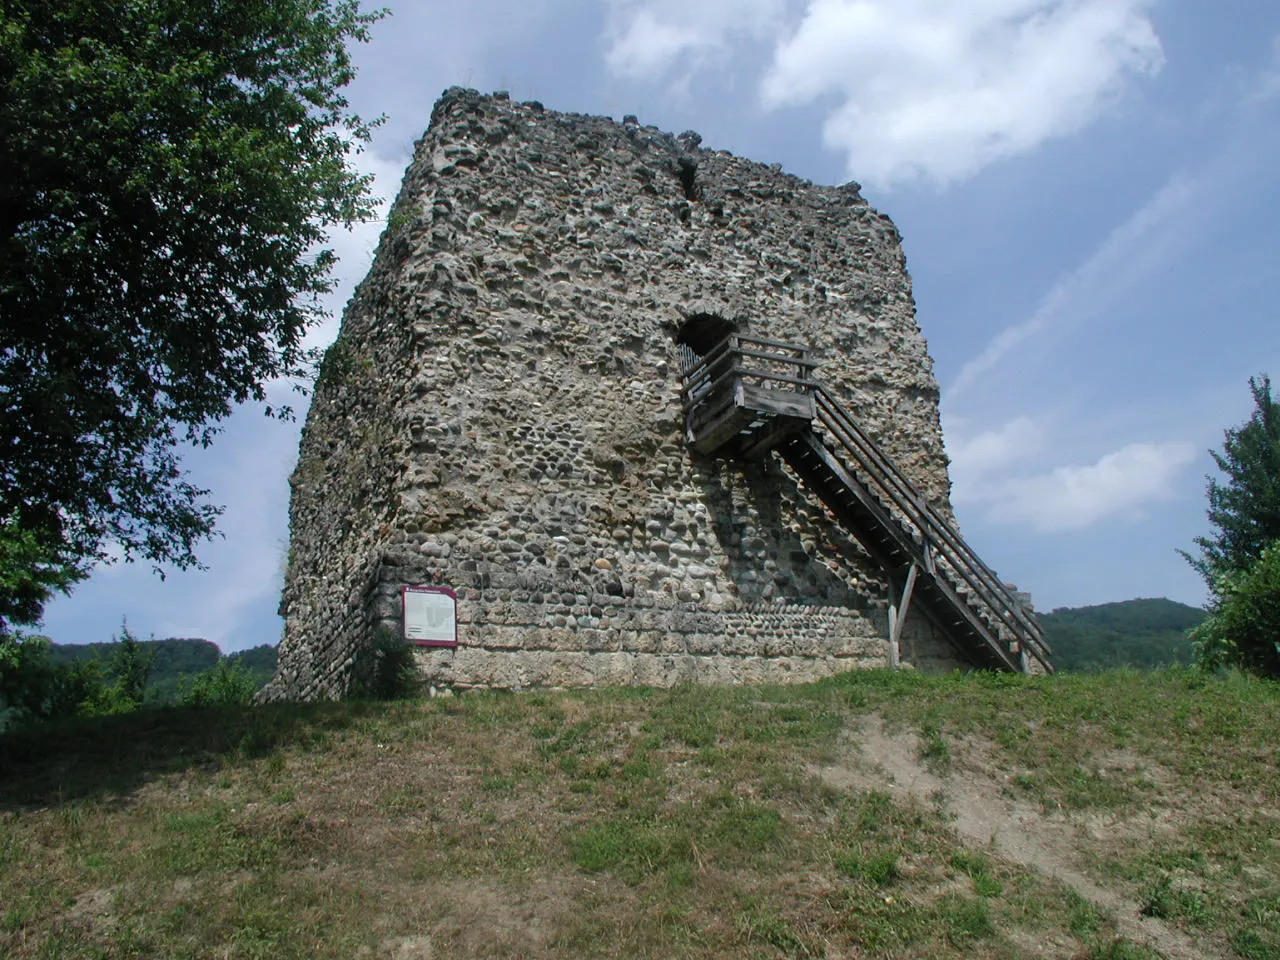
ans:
(511, 411)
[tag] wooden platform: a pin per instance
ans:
(747, 396)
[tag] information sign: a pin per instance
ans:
(431, 616)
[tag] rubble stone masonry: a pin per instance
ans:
(501, 414)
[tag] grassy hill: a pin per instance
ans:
(1133, 633)
(1119, 815)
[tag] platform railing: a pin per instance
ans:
(754, 360)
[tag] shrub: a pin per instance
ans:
(1244, 628)
(131, 665)
(226, 684)
(34, 688)
(393, 675)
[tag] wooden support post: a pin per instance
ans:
(898, 617)
(893, 631)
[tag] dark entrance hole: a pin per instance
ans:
(699, 334)
(687, 173)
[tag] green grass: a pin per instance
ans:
(681, 823)
(979, 869)
(879, 869)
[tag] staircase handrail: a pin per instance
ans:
(946, 554)
(925, 516)
(933, 527)
(899, 492)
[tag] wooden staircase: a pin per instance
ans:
(748, 397)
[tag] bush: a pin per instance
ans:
(394, 675)
(227, 684)
(34, 688)
(1244, 627)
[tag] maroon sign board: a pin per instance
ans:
(431, 616)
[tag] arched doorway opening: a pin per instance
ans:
(698, 335)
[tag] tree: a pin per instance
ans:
(131, 665)
(33, 564)
(34, 688)
(171, 170)
(1241, 561)
(1245, 508)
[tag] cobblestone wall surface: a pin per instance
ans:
(501, 414)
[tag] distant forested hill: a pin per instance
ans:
(177, 658)
(258, 662)
(1132, 633)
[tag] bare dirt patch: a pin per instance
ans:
(984, 814)
(93, 910)
(485, 918)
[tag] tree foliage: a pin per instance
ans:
(1241, 561)
(1245, 507)
(173, 657)
(33, 564)
(171, 169)
(1244, 629)
(41, 681)
(175, 662)
(131, 664)
(258, 662)
(33, 687)
(227, 684)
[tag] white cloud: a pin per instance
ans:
(1074, 497)
(648, 45)
(975, 458)
(1131, 252)
(924, 89)
(937, 90)
(647, 37)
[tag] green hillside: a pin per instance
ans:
(1132, 633)
(173, 657)
(176, 659)
(259, 661)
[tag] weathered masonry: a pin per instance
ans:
(655, 412)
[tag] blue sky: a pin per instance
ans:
(1088, 192)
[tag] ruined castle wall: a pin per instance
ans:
(501, 415)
